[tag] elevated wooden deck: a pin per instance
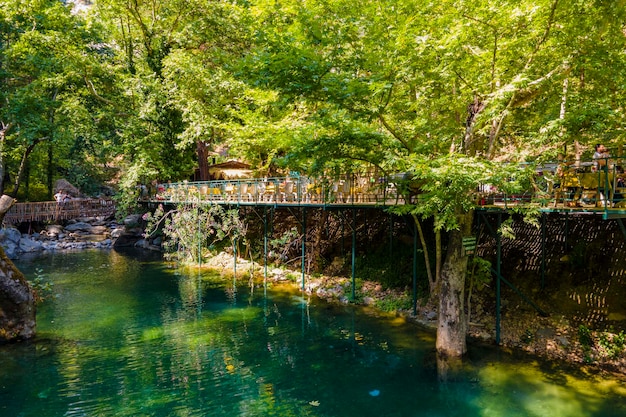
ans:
(53, 211)
(282, 191)
(363, 193)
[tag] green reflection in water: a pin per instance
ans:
(126, 336)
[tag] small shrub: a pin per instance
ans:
(191, 230)
(612, 344)
(41, 287)
(527, 337)
(584, 337)
(293, 277)
(392, 303)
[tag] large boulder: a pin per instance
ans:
(126, 240)
(65, 186)
(10, 234)
(10, 249)
(17, 304)
(133, 220)
(10, 241)
(79, 226)
(29, 245)
(99, 230)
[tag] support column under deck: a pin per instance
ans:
(265, 249)
(353, 295)
(303, 246)
(414, 268)
(498, 275)
(543, 250)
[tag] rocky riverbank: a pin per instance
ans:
(77, 234)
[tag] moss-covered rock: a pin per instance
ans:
(17, 303)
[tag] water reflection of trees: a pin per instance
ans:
(284, 355)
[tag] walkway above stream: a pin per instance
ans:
(361, 192)
(53, 211)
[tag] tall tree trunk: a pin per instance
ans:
(26, 181)
(6, 202)
(438, 255)
(23, 163)
(50, 171)
(202, 149)
(452, 326)
(4, 129)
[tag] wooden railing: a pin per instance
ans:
(53, 211)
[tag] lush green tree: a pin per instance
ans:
(54, 78)
(141, 35)
(442, 91)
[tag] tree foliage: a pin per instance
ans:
(191, 230)
(54, 76)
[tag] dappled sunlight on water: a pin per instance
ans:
(127, 336)
(537, 390)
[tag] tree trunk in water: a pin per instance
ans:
(17, 304)
(452, 328)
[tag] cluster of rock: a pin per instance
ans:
(83, 233)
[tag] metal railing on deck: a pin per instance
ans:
(599, 184)
(301, 190)
(555, 186)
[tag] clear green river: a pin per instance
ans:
(124, 335)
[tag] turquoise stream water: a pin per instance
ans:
(124, 335)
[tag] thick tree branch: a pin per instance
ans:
(147, 34)
(94, 93)
(393, 132)
(516, 98)
(516, 94)
(545, 36)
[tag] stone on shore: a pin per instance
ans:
(81, 233)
